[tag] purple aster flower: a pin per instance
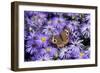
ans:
(31, 32)
(72, 25)
(44, 57)
(86, 18)
(85, 30)
(85, 54)
(31, 50)
(36, 20)
(78, 43)
(29, 22)
(29, 42)
(70, 52)
(42, 40)
(41, 55)
(48, 30)
(53, 52)
(75, 34)
(73, 51)
(29, 36)
(31, 47)
(39, 18)
(41, 15)
(47, 53)
(75, 23)
(28, 13)
(62, 53)
(58, 22)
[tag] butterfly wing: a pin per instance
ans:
(62, 39)
(57, 41)
(65, 35)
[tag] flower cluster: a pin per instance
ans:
(39, 28)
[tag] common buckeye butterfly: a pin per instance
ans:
(62, 39)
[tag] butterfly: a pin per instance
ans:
(61, 40)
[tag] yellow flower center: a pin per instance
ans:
(43, 39)
(48, 49)
(81, 54)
